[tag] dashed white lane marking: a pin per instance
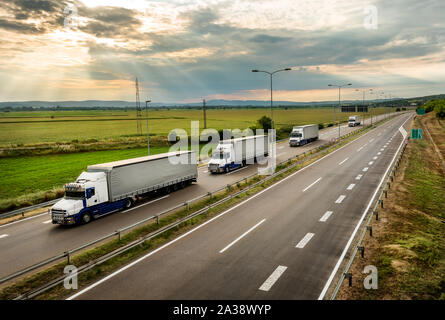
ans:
(241, 236)
(365, 169)
(351, 186)
(382, 149)
(325, 216)
(303, 242)
(282, 147)
(205, 171)
(359, 177)
(375, 158)
(48, 221)
(340, 163)
(3, 235)
(311, 184)
(359, 149)
(273, 278)
(371, 140)
(379, 134)
(370, 162)
(340, 199)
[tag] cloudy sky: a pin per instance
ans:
(186, 50)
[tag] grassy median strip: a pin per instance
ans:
(408, 244)
(85, 278)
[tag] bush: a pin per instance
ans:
(440, 110)
(320, 126)
(265, 123)
(398, 110)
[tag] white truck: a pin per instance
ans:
(303, 134)
(354, 121)
(112, 186)
(236, 153)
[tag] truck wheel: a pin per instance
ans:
(86, 218)
(128, 203)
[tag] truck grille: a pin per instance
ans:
(58, 215)
(213, 167)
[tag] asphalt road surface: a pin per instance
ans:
(282, 243)
(35, 239)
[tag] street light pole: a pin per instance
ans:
(339, 102)
(363, 103)
(148, 136)
(271, 90)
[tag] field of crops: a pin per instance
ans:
(25, 128)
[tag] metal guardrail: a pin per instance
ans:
(68, 254)
(374, 212)
(23, 210)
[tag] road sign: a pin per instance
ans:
(420, 111)
(348, 109)
(416, 134)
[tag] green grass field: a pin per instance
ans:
(24, 128)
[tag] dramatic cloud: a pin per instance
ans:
(184, 50)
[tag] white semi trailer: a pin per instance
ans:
(235, 153)
(303, 134)
(112, 186)
(354, 121)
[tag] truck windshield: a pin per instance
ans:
(218, 155)
(295, 134)
(75, 194)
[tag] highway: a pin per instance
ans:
(282, 243)
(35, 239)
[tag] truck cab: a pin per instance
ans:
(295, 137)
(82, 199)
(354, 121)
(223, 159)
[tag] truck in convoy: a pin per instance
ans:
(235, 153)
(303, 134)
(354, 121)
(112, 186)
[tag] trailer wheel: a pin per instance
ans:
(128, 203)
(86, 217)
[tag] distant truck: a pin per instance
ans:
(303, 134)
(236, 153)
(113, 186)
(354, 121)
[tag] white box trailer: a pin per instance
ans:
(301, 135)
(112, 186)
(235, 153)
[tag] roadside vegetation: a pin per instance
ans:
(408, 243)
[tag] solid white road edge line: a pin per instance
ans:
(303, 242)
(272, 278)
(348, 244)
(311, 184)
(325, 216)
(207, 222)
(144, 204)
(241, 236)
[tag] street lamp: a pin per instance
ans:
(339, 106)
(271, 97)
(148, 136)
(363, 104)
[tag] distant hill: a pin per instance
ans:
(211, 103)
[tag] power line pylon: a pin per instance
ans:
(138, 109)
